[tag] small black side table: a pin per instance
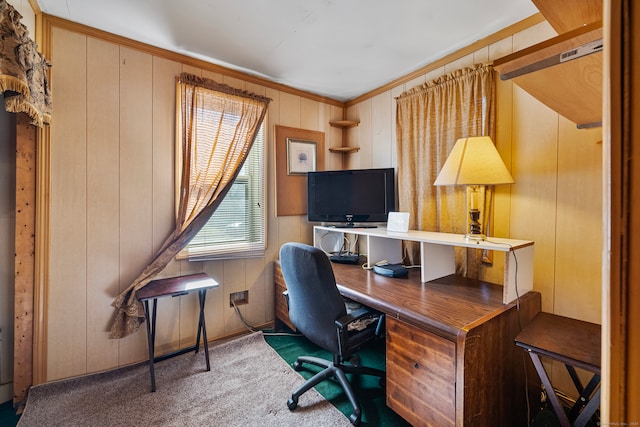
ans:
(174, 287)
(576, 344)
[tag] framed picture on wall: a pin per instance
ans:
(298, 151)
(301, 156)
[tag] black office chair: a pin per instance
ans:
(319, 312)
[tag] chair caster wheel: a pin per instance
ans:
(297, 366)
(292, 404)
(355, 419)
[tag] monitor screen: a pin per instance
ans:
(351, 196)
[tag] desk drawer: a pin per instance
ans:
(420, 375)
(281, 308)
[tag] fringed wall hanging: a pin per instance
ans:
(23, 70)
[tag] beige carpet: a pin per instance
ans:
(248, 385)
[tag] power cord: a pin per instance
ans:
(252, 328)
(249, 326)
(320, 244)
(350, 246)
(366, 265)
(515, 259)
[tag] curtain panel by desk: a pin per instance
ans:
(216, 127)
(429, 120)
(23, 70)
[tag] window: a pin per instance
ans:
(237, 227)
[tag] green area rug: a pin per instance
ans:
(370, 395)
(8, 417)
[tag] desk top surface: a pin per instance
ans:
(448, 306)
(174, 286)
(571, 341)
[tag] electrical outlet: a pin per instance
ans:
(239, 298)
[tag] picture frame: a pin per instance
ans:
(302, 156)
(291, 172)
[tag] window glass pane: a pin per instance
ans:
(237, 227)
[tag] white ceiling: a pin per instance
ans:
(340, 49)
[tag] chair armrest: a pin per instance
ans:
(349, 340)
(360, 313)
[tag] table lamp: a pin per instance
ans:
(474, 162)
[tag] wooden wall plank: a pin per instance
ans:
(273, 117)
(136, 176)
(216, 304)
(532, 35)
(163, 199)
(8, 254)
(463, 62)
(259, 283)
(310, 116)
(533, 196)
(24, 257)
(363, 158)
(103, 204)
(164, 143)
(383, 150)
(234, 281)
(579, 217)
(67, 292)
(333, 138)
(493, 272)
(290, 110)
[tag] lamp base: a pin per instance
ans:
(475, 237)
(475, 230)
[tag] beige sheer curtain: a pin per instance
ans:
(430, 118)
(216, 128)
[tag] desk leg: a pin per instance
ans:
(557, 407)
(203, 327)
(151, 338)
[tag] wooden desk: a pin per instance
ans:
(174, 287)
(450, 353)
(574, 343)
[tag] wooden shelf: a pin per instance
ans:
(565, 72)
(344, 124)
(344, 150)
(567, 15)
(438, 251)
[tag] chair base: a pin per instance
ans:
(337, 371)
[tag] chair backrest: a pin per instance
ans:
(314, 300)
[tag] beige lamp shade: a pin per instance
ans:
(474, 161)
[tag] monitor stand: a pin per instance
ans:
(352, 225)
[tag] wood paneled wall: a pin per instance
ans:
(556, 200)
(112, 186)
(112, 199)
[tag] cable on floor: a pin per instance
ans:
(252, 328)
